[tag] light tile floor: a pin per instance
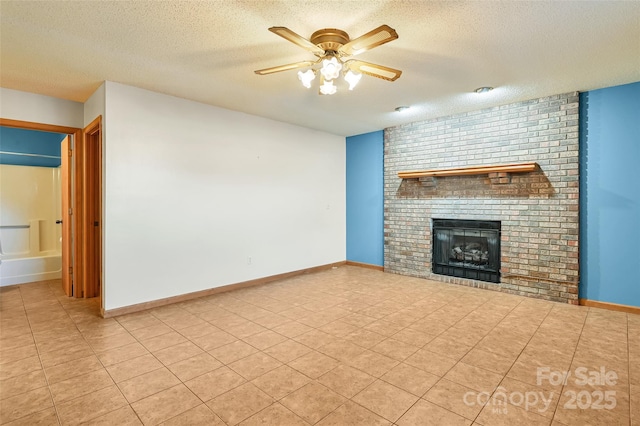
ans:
(349, 346)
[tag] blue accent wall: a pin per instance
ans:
(365, 204)
(44, 147)
(610, 195)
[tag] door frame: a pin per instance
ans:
(78, 171)
(65, 214)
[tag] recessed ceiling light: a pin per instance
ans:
(402, 108)
(483, 89)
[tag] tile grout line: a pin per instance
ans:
(493, 328)
(102, 365)
(516, 359)
(164, 366)
(442, 377)
(95, 354)
(340, 363)
(46, 378)
(572, 358)
(246, 381)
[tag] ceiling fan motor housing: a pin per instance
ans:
(329, 39)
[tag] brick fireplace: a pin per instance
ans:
(537, 210)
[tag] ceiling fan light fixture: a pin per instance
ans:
(352, 78)
(331, 68)
(331, 46)
(306, 77)
(484, 89)
(328, 88)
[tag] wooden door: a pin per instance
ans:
(65, 178)
(92, 210)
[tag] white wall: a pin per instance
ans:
(25, 106)
(95, 105)
(193, 191)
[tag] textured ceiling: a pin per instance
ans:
(207, 51)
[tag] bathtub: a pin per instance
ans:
(14, 269)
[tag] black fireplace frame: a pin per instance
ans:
(488, 273)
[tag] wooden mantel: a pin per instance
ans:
(473, 170)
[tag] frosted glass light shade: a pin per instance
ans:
(352, 78)
(306, 78)
(328, 88)
(330, 68)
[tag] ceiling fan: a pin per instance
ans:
(332, 46)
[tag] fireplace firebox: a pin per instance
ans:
(467, 249)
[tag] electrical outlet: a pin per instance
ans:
(249, 260)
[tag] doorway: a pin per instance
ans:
(81, 177)
(30, 205)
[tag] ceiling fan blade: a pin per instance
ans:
(381, 35)
(294, 38)
(286, 67)
(374, 70)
